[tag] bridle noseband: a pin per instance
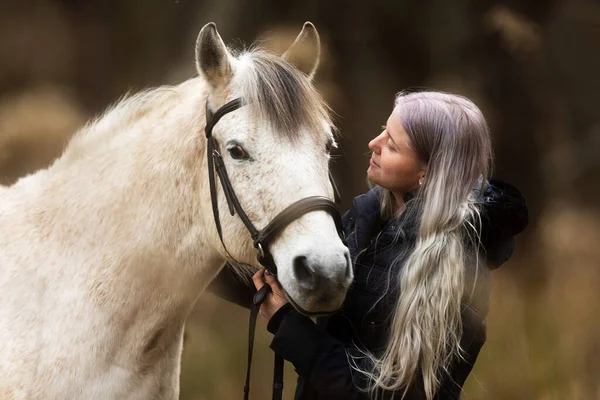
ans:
(261, 238)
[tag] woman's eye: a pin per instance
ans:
(237, 152)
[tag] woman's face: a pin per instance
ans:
(394, 164)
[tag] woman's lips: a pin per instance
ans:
(373, 163)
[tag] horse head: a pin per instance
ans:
(275, 149)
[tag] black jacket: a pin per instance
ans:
(320, 352)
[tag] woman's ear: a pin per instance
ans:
(421, 177)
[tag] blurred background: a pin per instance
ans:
(532, 66)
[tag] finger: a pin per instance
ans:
(271, 279)
(275, 285)
(258, 279)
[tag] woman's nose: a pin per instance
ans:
(374, 144)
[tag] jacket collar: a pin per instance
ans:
(368, 222)
(366, 211)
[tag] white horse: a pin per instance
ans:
(103, 254)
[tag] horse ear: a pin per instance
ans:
(212, 57)
(305, 52)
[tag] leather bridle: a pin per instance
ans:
(261, 238)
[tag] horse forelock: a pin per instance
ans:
(280, 94)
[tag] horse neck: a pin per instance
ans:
(131, 184)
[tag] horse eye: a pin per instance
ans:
(237, 152)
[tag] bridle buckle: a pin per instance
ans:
(259, 250)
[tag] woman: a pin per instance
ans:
(421, 243)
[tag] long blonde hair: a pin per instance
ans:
(450, 134)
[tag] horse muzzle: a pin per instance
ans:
(316, 286)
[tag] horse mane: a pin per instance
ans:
(124, 113)
(279, 93)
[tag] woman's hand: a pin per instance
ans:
(275, 298)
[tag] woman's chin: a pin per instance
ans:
(372, 176)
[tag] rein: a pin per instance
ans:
(260, 238)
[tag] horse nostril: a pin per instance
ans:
(348, 265)
(303, 273)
